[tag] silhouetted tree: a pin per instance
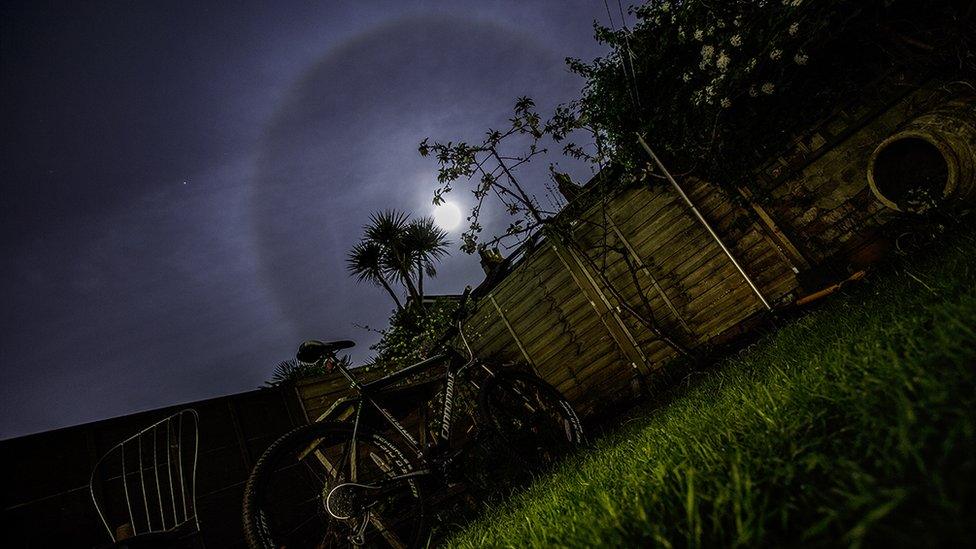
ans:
(396, 249)
(365, 262)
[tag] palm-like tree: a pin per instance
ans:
(427, 243)
(394, 248)
(365, 262)
(388, 229)
(292, 370)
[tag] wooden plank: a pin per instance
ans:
(649, 206)
(708, 301)
(592, 346)
(794, 256)
(578, 314)
(618, 273)
(643, 269)
(719, 213)
(724, 271)
(515, 336)
(559, 285)
(602, 307)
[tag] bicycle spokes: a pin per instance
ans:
(305, 495)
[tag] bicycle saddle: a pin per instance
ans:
(313, 350)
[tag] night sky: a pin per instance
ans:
(181, 182)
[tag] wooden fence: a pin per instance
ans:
(561, 309)
(555, 311)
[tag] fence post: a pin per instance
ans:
(601, 305)
(518, 342)
(704, 222)
(647, 272)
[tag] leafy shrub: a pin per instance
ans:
(412, 333)
(718, 86)
(289, 371)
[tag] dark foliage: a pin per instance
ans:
(412, 333)
(717, 87)
(289, 371)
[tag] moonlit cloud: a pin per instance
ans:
(126, 289)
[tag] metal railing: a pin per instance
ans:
(154, 472)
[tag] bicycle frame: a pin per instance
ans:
(335, 449)
(434, 459)
(368, 395)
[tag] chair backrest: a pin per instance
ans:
(147, 482)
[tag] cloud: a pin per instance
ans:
(344, 144)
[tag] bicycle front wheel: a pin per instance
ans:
(531, 416)
(317, 487)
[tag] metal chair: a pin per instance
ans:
(144, 488)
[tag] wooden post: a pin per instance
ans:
(704, 223)
(647, 273)
(791, 255)
(602, 306)
(491, 297)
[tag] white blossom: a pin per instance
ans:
(726, 102)
(709, 90)
(801, 58)
(722, 62)
(794, 28)
(699, 35)
(686, 77)
(768, 88)
(736, 40)
(707, 51)
(776, 54)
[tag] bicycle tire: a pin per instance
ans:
(277, 479)
(531, 416)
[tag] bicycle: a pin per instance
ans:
(346, 483)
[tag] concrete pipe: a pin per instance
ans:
(931, 162)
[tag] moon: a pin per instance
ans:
(447, 216)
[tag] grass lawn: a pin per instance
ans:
(852, 425)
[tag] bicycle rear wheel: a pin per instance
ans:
(531, 416)
(314, 487)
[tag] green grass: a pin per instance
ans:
(852, 425)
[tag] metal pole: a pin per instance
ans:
(708, 227)
(647, 273)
